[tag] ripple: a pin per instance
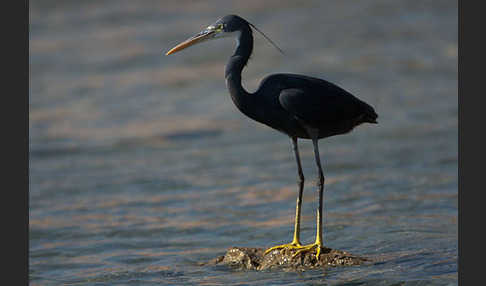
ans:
(141, 167)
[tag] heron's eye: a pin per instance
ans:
(217, 28)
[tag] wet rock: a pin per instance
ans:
(253, 259)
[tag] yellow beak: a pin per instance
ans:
(200, 37)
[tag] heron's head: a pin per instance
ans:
(224, 27)
(230, 25)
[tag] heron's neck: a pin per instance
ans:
(234, 67)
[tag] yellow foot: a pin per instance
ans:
(310, 247)
(292, 245)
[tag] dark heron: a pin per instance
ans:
(296, 105)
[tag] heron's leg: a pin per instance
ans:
(295, 244)
(295, 147)
(318, 243)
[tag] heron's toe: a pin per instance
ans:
(292, 245)
(310, 247)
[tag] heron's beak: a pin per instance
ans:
(200, 37)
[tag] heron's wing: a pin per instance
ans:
(320, 104)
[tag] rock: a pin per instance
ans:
(253, 259)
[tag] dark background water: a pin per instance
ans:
(141, 167)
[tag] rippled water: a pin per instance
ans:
(141, 167)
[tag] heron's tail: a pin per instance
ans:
(369, 115)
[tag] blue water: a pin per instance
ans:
(141, 168)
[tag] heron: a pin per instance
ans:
(296, 105)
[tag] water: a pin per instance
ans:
(141, 167)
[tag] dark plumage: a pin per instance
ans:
(297, 105)
(291, 102)
(297, 102)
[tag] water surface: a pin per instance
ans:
(141, 167)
